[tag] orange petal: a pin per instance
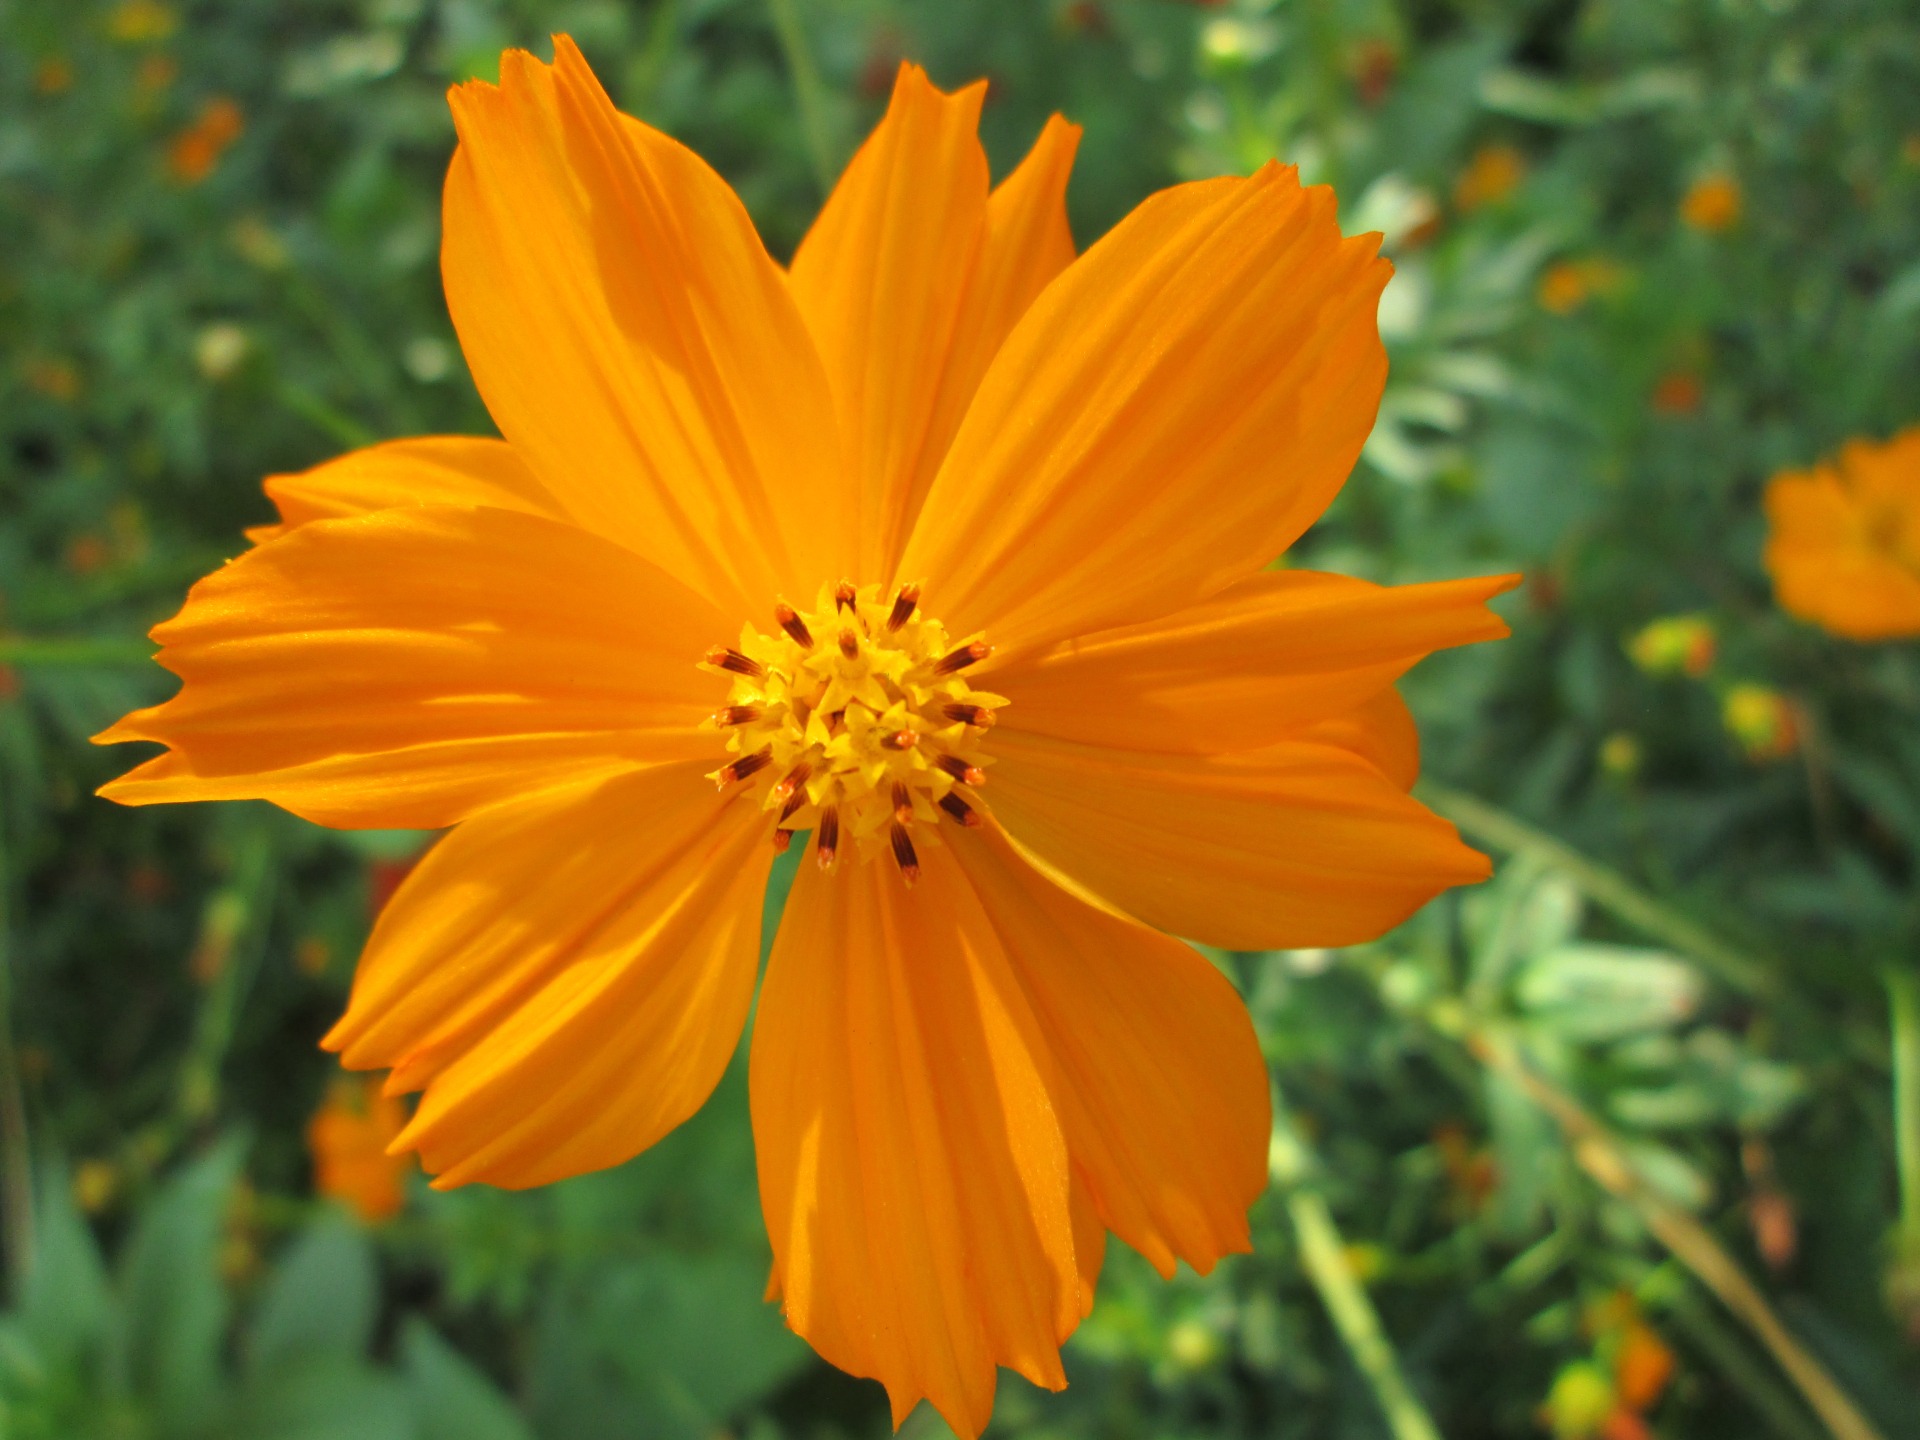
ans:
(432, 469)
(881, 278)
(567, 977)
(1166, 418)
(405, 667)
(632, 338)
(1826, 567)
(1380, 731)
(912, 1169)
(1158, 1076)
(1295, 845)
(1275, 652)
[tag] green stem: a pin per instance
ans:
(1291, 1164)
(653, 58)
(226, 954)
(1609, 889)
(342, 428)
(73, 650)
(16, 1160)
(808, 93)
(1903, 1005)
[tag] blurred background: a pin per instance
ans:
(1625, 1143)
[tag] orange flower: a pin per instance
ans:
(197, 149)
(1493, 174)
(1566, 285)
(1712, 203)
(977, 1049)
(1642, 1366)
(1678, 392)
(1843, 543)
(349, 1137)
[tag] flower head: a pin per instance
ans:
(197, 149)
(1764, 722)
(1712, 203)
(944, 546)
(1843, 542)
(1674, 645)
(349, 1138)
(1493, 174)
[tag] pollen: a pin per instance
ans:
(872, 740)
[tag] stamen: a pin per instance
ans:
(723, 658)
(743, 767)
(846, 596)
(781, 840)
(903, 854)
(963, 657)
(902, 803)
(966, 774)
(960, 810)
(900, 740)
(976, 715)
(827, 837)
(849, 644)
(795, 778)
(903, 604)
(794, 803)
(788, 619)
(736, 715)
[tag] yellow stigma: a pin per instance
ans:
(855, 720)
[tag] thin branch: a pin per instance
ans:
(1290, 1165)
(808, 93)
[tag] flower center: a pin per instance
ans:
(855, 719)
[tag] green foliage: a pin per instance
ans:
(1683, 949)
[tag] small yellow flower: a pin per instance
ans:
(1621, 755)
(96, 1184)
(944, 547)
(135, 22)
(1579, 1403)
(1843, 541)
(1712, 203)
(1674, 645)
(1493, 174)
(1762, 720)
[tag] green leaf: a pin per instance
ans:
(323, 1298)
(322, 1398)
(452, 1399)
(174, 1308)
(1587, 992)
(66, 1299)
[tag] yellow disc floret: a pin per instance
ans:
(855, 720)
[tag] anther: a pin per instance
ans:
(849, 644)
(827, 837)
(960, 770)
(976, 715)
(721, 657)
(902, 803)
(903, 604)
(736, 715)
(960, 810)
(788, 619)
(961, 658)
(781, 840)
(795, 778)
(900, 740)
(846, 596)
(903, 854)
(794, 802)
(743, 767)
